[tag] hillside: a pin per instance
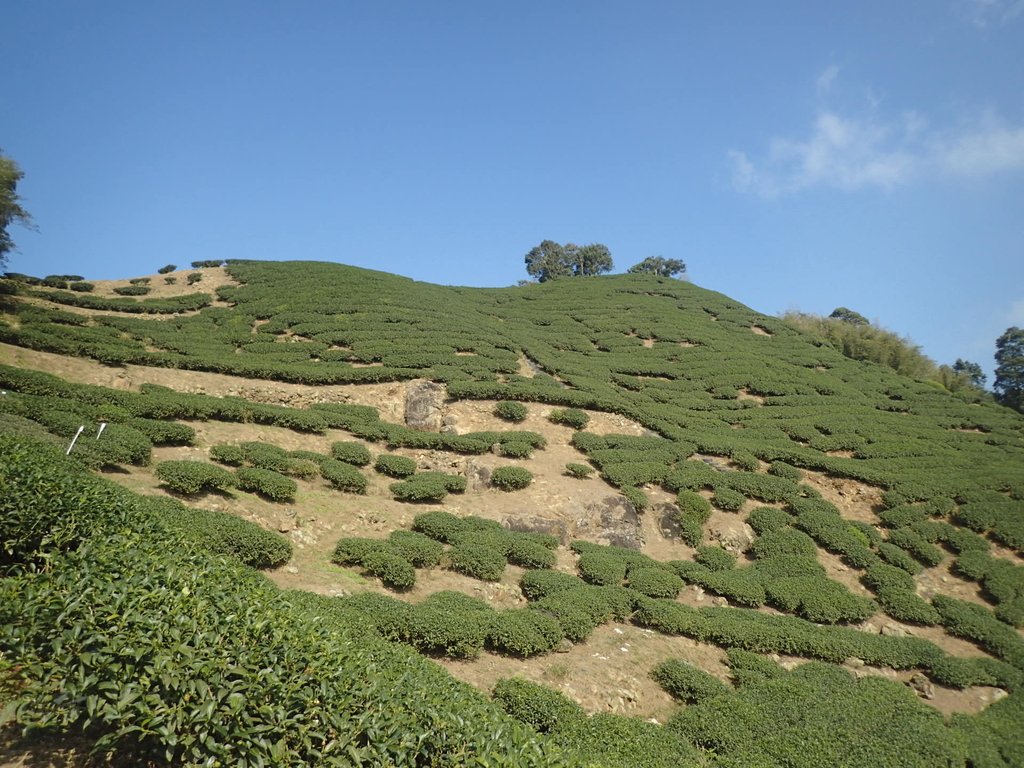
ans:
(710, 537)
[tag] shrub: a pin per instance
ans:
(266, 482)
(654, 582)
(785, 541)
(82, 287)
(715, 558)
(516, 450)
(440, 526)
(193, 477)
(510, 410)
(511, 478)
(685, 682)
(907, 606)
(342, 476)
(786, 471)
(392, 465)
(170, 280)
(570, 417)
(536, 705)
(265, 456)
(579, 471)
(766, 519)
(537, 584)
(351, 453)
(421, 551)
(232, 456)
(223, 534)
(422, 488)
(193, 278)
(163, 432)
(523, 632)
(167, 268)
(602, 568)
(818, 599)
(728, 499)
(352, 550)
(526, 553)
(392, 569)
(132, 290)
(478, 558)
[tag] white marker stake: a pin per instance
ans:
(103, 425)
(74, 440)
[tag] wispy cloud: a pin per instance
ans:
(827, 78)
(990, 13)
(852, 153)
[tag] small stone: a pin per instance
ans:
(894, 630)
(922, 686)
(292, 569)
(854, 662)
(564, 646)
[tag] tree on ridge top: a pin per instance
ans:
(549, 260)
(10, 204)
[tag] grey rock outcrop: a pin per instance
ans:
(424, 405)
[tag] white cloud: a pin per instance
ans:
(827, 78)
(987, 13)
(852, 153)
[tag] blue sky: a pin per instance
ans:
(796, 155)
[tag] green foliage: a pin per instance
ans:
(819, 715)
(541, 583)
(394, 466)
(523, 632)
(161, 432)
(193, 278)
(715, 558)
(427, 487)
(768, 519)
(509, 410)
(511, 478)
(654, 582)
(419, 550)
(166, 268)
(11, 211)
(441, 526)
(549, 260)
(570, 417)
(480, 556)
(132, 290)
(694, 511)
(728, 499)
(656, 265)
(536, 705)
(232, 455)
(222, 533)
(351, 453)
(783, 541)
(579, 471)
(687, 683)
(602, 568)
(246, 675)
(266, 482)
(392, 569)
(1009, 383)
(193, 477)
(82, 287)
(342, 476)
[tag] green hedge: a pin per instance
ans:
(685, 682)
(266, 482)
(193, 477)
(510, 410)
(351, 453)
(536, 705)
(394, 466)
(570, 417)
(523, 632)
(511, 478)
(579, 471)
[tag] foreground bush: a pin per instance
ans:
(392, 465)
(266, 482)
(246, 676)
(510, 410)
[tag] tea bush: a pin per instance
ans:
(767, 519)
(266, 482)
(222, 533)
(687, 683)
(392, 569)
(694, 511)
(570, 417)
(579, 471)
(394, 466)
(511, 478)
(342, 476)
(537, 706)
(419, 550)
(132, 290)
(523, 632)
(715, 558)
(541, 583)
(510, 411)
(351, 453)
(193, 477)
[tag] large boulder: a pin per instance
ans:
(424, 405)
(734, 535)
(611, 520)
